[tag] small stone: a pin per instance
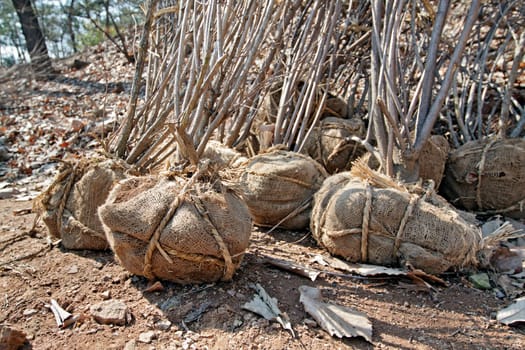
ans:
(275, 325)
(29, 312)
(237, 323)
(73, 270)
(147, 337)
(111, 312)
(130, 345)
(106, 295)
(163, 325)
(4, 154)
(11, 338)
(480, 281)
(98, 265)
(310, 323)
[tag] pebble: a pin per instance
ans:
(310, 323)
(106, 295)
(147, 337)
(130, 345)
(4, 154)
(163, 325)
(29, 312)
(73, 270)
(111, 312)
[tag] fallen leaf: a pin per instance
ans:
(511, 287)
(291, 266)
(360, 269)
(195, 314)
(513, 313)
(266, 306)
(337, 320)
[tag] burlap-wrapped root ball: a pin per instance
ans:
(179, 230)
(367, 222)
(278, 188)
(433, 158)
(69, 206)
(221, 156)
(487, 176)
(330, 143)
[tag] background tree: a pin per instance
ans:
(35, 41)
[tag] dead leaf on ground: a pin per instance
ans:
(337, 320)
(293, 267)
(417, 276)
(266, 306)
(360, 269)
(513, 313)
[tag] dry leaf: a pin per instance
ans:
(513, 313)
(266, 306)
(337, 320)
(360, 269)
(293, 267)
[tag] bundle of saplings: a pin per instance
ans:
(178, 229)
(364, 216)
(331, 145)
(69, 206)
(487, 176)
(278, 187)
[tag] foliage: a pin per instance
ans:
(68, 25)
(11, 41)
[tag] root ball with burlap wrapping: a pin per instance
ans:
(278, 188)
(69, 206)
(433, 158)
(372, 222)
(488, 177)
(179, 230)
(330, 143)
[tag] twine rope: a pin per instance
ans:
(481, 169)
(71, 172)
(401, 230)
(366, 220)
(154, 240)
(229, 268)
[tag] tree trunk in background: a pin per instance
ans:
(35, 42)
(70, 12)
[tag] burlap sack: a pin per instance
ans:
(177, 230)
(367, 222)
(334, 106)
(278, 188)
(433, 158)
(329, 143)
(69, 206)
(221, 156)
(487, 176)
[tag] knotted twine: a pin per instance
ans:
(154, 244)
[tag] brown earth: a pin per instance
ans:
(32, 272)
